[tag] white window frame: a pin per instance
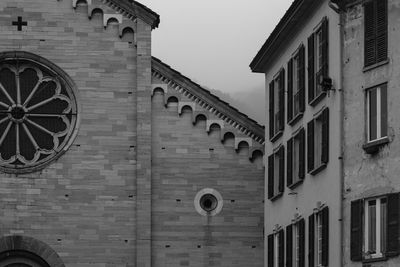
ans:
(378, 216)
(296, 245)
(318, 239)
(378, 113)
(277, 90)
(317, 60)
(318, 121)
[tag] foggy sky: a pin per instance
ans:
(213, 41)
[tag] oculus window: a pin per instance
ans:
(38, 112)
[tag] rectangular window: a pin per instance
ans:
(296, 86)
(295, 245)
(277, 105)
(276, 249)
(276, 173)
(318, 142)
(317, 62)
(319, 238)
(374, 227)
(377, 113)
(295, 159)
(375, 32)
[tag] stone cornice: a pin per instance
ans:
(133, 8)
(208, 101)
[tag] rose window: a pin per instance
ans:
(38, 115)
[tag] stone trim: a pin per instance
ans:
(32, 246)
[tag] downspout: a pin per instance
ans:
(339, 10)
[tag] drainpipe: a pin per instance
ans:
(338, 8)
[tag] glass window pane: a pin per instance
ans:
(383, 224)
(372, 226)
(383, 111)
(372, 114)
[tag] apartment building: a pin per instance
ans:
(332, 79)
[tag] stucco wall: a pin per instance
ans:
(323, 187)
(369, 175)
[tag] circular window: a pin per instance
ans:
(38, 113)
(208, 202)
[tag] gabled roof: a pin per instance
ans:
(247, 125)
(289, 23)
(138, 9)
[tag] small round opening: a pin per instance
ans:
(208, 202)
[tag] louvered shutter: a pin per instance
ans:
(302, 154)
(289, 162)
(290, 90)
(370, 32)
(325, 46)
(282, 100)
(270, 176)
(271, 110)
(381, 30)
(325, 236)
(325, 136)
(311, 240)
(392, 246)
(281, 169)
(281, 248)
(289, 246)
(270, 250)
(302, 242)
(311, 70)
(310, 146)
(302, 78)
(356, 230)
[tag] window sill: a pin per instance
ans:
(276, 196)
(317, 99)
(296, 184)
(374, 259)
(318, 169)
(296, 118)
(376, 65)
(276, 136)
(372, 147)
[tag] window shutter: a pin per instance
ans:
(356, 230)
(325, 236)
(270, 176)
(271, 110)
(311, 68)
(311, 240)
(325, 44)
(282, 100)
(281, 249)
(310, 146)
(270, 250)
(325, 136)
(289, 246)
(369, 33)
(302, 78)
(281, 169)
(381, 30)
(392, 246)
(302, 154)
(289, 162)
(302, 242)
(290, 90)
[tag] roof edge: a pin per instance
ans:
(140, 10)
(280, 32)
(205, 95)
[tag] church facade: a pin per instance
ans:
(110, 157)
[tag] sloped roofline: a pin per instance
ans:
(294, 16)
(135, 8)
(209, 98)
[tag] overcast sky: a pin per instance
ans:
(214, 41)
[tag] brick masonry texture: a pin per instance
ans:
(122, 195)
